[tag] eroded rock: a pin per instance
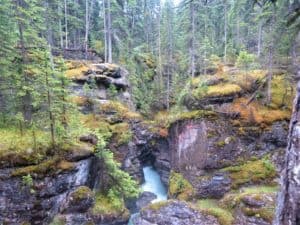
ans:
(173, 213)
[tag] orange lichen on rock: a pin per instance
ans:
(76, 69)
(121, 110)
(255, 112)
(79, 100)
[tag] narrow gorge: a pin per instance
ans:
(219, 166)
(149, 112)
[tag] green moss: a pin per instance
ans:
(265, 213)
(104, 130)
(81, 193)
(13, 144)
(211, 207)
(179, 187)
(157, 205)
(121, 111)
(106, 206)
(218, 90)
(233, 199)
(122, 133)
(281, 88)
(220, 144)
(196, 114)
(54, 165)
(252, 172)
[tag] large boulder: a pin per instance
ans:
(172, 213)
(80, 200)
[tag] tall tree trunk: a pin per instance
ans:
(270, 75)
(66, 24)
(205, 38)
(109, 38)
(86, 28)
(192, 42)
(159, 48)
(270, 63)
(105, 31)
(259, 37)
(27, 98)
(60, 27)
(225, 31)
(49, 104)
(170, 56)
(146, 24)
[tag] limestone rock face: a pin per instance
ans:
(102, 78)
(173, 213)
(201, 148)
(40, 202)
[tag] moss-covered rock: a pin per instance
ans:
(252, 172)
(122, 133)
(257, 202)
(80, 200)
(211, 207)
(179, 187)
(105, 206)
(55, 165)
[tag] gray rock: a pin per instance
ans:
(173, 213)
(145, 199)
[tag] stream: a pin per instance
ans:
(154, 185)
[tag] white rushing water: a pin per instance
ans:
(152, 184)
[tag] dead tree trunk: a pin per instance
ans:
(288, 205)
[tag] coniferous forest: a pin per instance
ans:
(139, 112)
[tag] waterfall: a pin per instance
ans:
(154, 185)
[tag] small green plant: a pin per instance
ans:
(27, 180)
(245, 60)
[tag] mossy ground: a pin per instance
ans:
(257, 112)
(242, 86)
(30, 147)
(17, 141)
(117, 133)
(252, 172)
(225, 84)
(211, 207)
